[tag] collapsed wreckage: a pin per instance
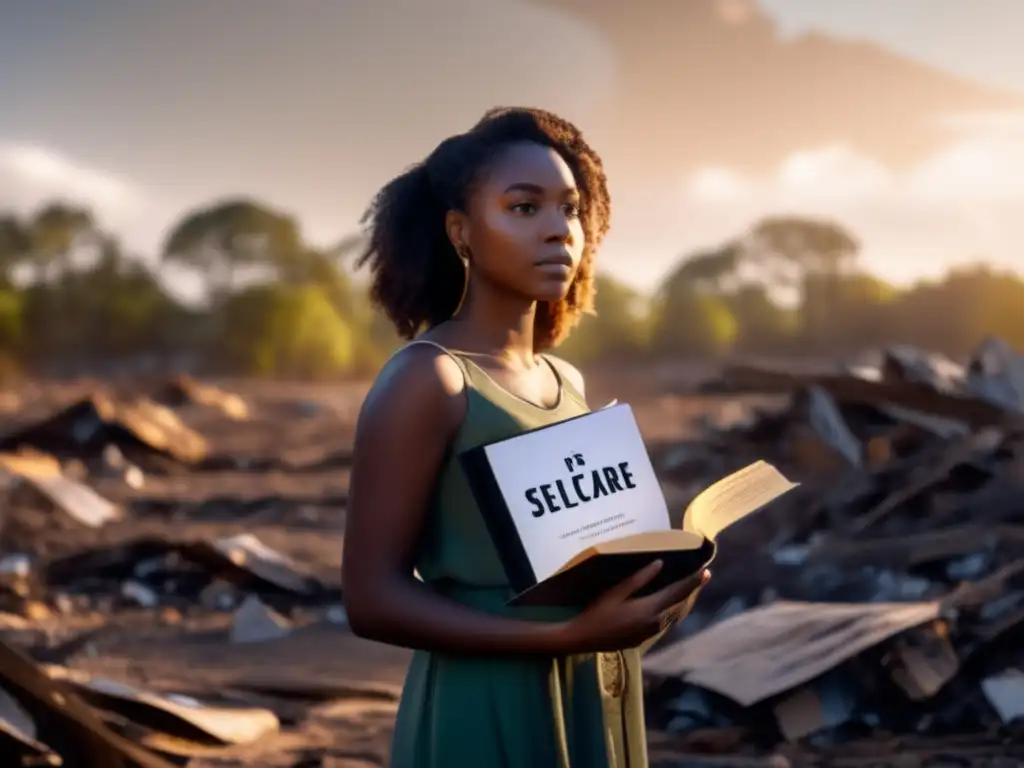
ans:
(878, 608)
(63, 559)
(871, 617)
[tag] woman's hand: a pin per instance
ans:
(618, 620)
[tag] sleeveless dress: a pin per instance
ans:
(582, 711)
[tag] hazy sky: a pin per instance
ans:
(146, 109)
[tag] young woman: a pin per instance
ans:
(484, 255)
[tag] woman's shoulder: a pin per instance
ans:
(422, 368)
(418, 377)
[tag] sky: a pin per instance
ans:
(147, 110)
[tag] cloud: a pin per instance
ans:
(32, 175)
(963, 202)
(978, 170)
(715, 185)
(1000, 123)
(834, 173)
(984, 170)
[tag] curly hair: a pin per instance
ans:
(417, 277)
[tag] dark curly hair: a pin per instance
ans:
(417, 277)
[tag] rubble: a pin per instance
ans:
(184, 390)
(885, 597)
(139, 427)
(200, 722)
(217, 575)
(872, 617)
(41, 477)
(76, 565)
(254, 622)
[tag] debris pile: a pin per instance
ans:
(183, 390)
(880, 606)
(52, 716)
(871, 617)
(152, 572)
(73, 563)
(140, 428)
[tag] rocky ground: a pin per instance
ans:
(279, 474)
(185, 540)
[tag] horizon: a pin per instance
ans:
(176, 132)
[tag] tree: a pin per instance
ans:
(691, 312)
(955, 314)
(856, 309)
(286, 330)
(688, 322)
(56, 233)
(762, 325)
(15, 245)
(11, 333)
(114, 310)
(811, 245)
(11, 322)
(793, 251)
(126, 308)
(221, 240)
(715, 270)
(617, 329)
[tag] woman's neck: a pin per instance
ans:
(501, 324)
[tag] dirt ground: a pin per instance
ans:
(299, 512)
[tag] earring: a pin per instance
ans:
(463, 252)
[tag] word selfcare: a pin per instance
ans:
(580, 487)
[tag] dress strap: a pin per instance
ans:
(561, 368)
(619, 680)
(559, 668)
(455, 357)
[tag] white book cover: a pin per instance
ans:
(575, 484)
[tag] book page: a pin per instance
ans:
(735, 497)
(576, 484)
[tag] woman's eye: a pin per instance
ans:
(524, 208)
(572, 210)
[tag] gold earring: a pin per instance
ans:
(463, 251)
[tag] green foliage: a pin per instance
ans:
(57, 228)
(291, 331)
(222, 239)
(710, 270)
(761, 324)
(957, 313)
(15, 244)
(618, 328)
(689, 322)
(11, 321)
(280, 307)
(811, 245)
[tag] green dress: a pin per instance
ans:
(582, 711)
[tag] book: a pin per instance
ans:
(576, 507)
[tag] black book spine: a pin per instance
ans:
(498, 518)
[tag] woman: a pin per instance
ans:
(486, 250)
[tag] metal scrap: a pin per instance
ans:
(887, 596)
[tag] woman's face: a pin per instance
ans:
(523, 226)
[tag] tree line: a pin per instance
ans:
(73, 301)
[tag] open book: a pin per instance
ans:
(684, 551)
(575, 507)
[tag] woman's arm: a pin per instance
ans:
(405, 427)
